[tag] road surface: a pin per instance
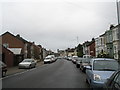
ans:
(60, 74)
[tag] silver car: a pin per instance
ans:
(48, 59)
(84, 62)
(27, 63)
(99, 71)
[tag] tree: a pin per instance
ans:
(79, 50)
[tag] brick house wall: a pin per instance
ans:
(7, 57)
(12, 41)
(36, 52)
(92, 49)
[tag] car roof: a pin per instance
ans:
(28, 59)
(86, 55)
(103, 59)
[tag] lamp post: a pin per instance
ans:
(118, 17)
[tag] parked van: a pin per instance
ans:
(49, 59)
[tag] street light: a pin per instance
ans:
(118, 16)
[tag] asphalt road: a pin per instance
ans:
(60, 74)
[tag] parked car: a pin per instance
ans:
(84, 62)
(69, 58)
(78, 61)
(87, 56)
(74, 58)
(99, 71)
(114, 82)
(27, 63)
(3, 68)
(48, 59)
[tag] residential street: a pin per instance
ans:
(60, 74)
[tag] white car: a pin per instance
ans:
(27, 63)
(87, 56)
(48, 59)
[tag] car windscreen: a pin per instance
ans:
(85, 60)
(105, 65)
(78, 60)
(27, 60)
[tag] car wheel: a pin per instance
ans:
(30, 67)
(77, 66)
(83, 70)
(86, 81)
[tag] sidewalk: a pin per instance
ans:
(13, 70)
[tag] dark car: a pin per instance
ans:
(114, 82)
(3, 68)
(78, 61)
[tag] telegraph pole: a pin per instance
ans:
(77, 39)
(118, 17)
(118, 14)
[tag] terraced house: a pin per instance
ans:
(20, 47)
(100, 45)
(109, 43)
(116, 42)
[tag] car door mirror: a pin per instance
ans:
(88, 67)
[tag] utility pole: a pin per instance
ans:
(118, 17)
(118, 14)
(77, 40)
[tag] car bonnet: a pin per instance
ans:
(104, 74)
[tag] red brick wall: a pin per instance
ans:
(8, 57)
(36, 52)
(12, 41)
(92, 48)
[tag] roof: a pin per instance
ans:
(17, 36)
(70, 49)
(86, 43)
(15, 50)
(20, 38)
(104, 59)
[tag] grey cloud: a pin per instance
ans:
(57, 24)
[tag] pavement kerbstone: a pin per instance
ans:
(14, 70)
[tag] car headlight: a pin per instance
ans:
(97, 77)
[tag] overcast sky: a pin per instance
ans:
(56, 24)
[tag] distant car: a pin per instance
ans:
(99, 71)
(3, 68)
(84, 62)
(52, 58)
(87, 56)
(114, 82)
(74, 58)
(78, 61)
(69, 58)
(27, 63)
(48, 59)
